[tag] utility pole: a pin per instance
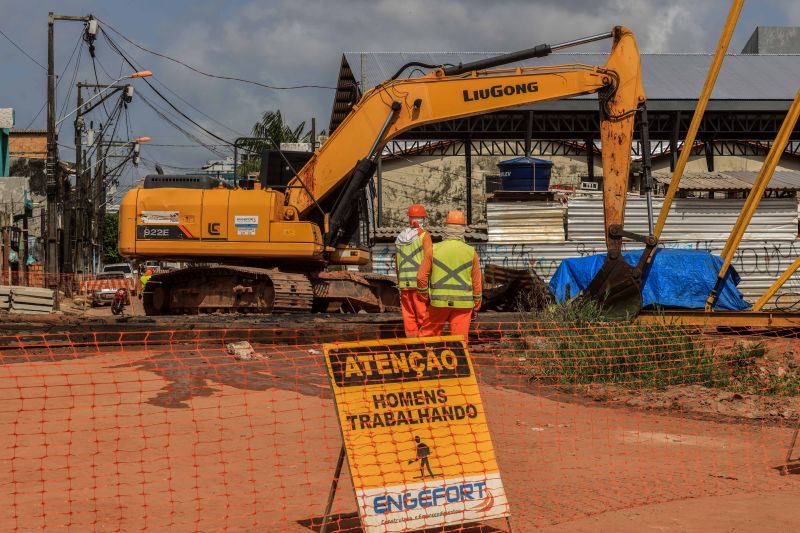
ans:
(51, 249)
(5, 222)
(97, 190)
(78, 252)
(54, 183)
(23, 264)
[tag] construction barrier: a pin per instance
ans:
(592, 426)
(89, 284)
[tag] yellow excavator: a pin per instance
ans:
(266, 246)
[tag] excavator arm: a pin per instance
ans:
(346, 162)
(439, 97)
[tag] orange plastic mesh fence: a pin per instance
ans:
(170, 430)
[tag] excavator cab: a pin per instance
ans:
(278, 167)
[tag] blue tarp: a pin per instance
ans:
(677, 278)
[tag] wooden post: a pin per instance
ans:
(23, 264)
(4, 222)
(332, 494)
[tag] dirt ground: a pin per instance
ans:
(184, 437)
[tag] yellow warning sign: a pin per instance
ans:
(415, 431)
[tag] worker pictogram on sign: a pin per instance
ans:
(423, 456)
(415, 433)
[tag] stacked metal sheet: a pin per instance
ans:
(525, 222)
(690, 219)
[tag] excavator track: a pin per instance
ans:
(239, 289)
(227, 289)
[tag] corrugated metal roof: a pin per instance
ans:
(665, 76)
(689, 219)
(518, 222)
(733, 180)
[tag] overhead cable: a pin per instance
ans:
(18, 47)
(217, 76)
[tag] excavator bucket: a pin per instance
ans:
(617, 288)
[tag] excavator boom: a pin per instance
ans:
(399, 105)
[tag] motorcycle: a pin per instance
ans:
(118, 305)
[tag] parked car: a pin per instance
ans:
(125, 268)
(155, 265)
(105, 295)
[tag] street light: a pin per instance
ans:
(132, 155)
(140, 74)
(136, 148)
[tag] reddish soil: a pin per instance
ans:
(185, 439)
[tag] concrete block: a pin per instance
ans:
(21, 307)
(34, 300)
(33, 291)
(35, 311)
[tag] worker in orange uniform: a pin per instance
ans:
(413, 246)
(451, 280)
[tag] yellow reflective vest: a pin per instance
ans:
(407, 261)
(451, 275)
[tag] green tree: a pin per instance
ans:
(110, 237)
(269, 133)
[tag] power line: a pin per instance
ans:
(164, 115)
(217, 76)
(177, 126)
(160, 95)
(97, 81)
(161, 83)
(18, 47)
(212, 119)
(178, 145)
(58, 82)
(71, 87)
(154, 162)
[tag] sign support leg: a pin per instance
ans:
(335, 483)
(785, 469)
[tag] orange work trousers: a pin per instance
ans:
(415, 311)
(459, 320)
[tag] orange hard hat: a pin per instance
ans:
(417, 211)
(456, 218)
(148, 272)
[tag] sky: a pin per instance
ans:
(300, 42)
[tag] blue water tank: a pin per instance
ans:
(525, 174)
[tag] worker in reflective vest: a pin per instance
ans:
(413, 246)
(144, 279)
(451, 281)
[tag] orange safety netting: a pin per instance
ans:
(173, 430)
